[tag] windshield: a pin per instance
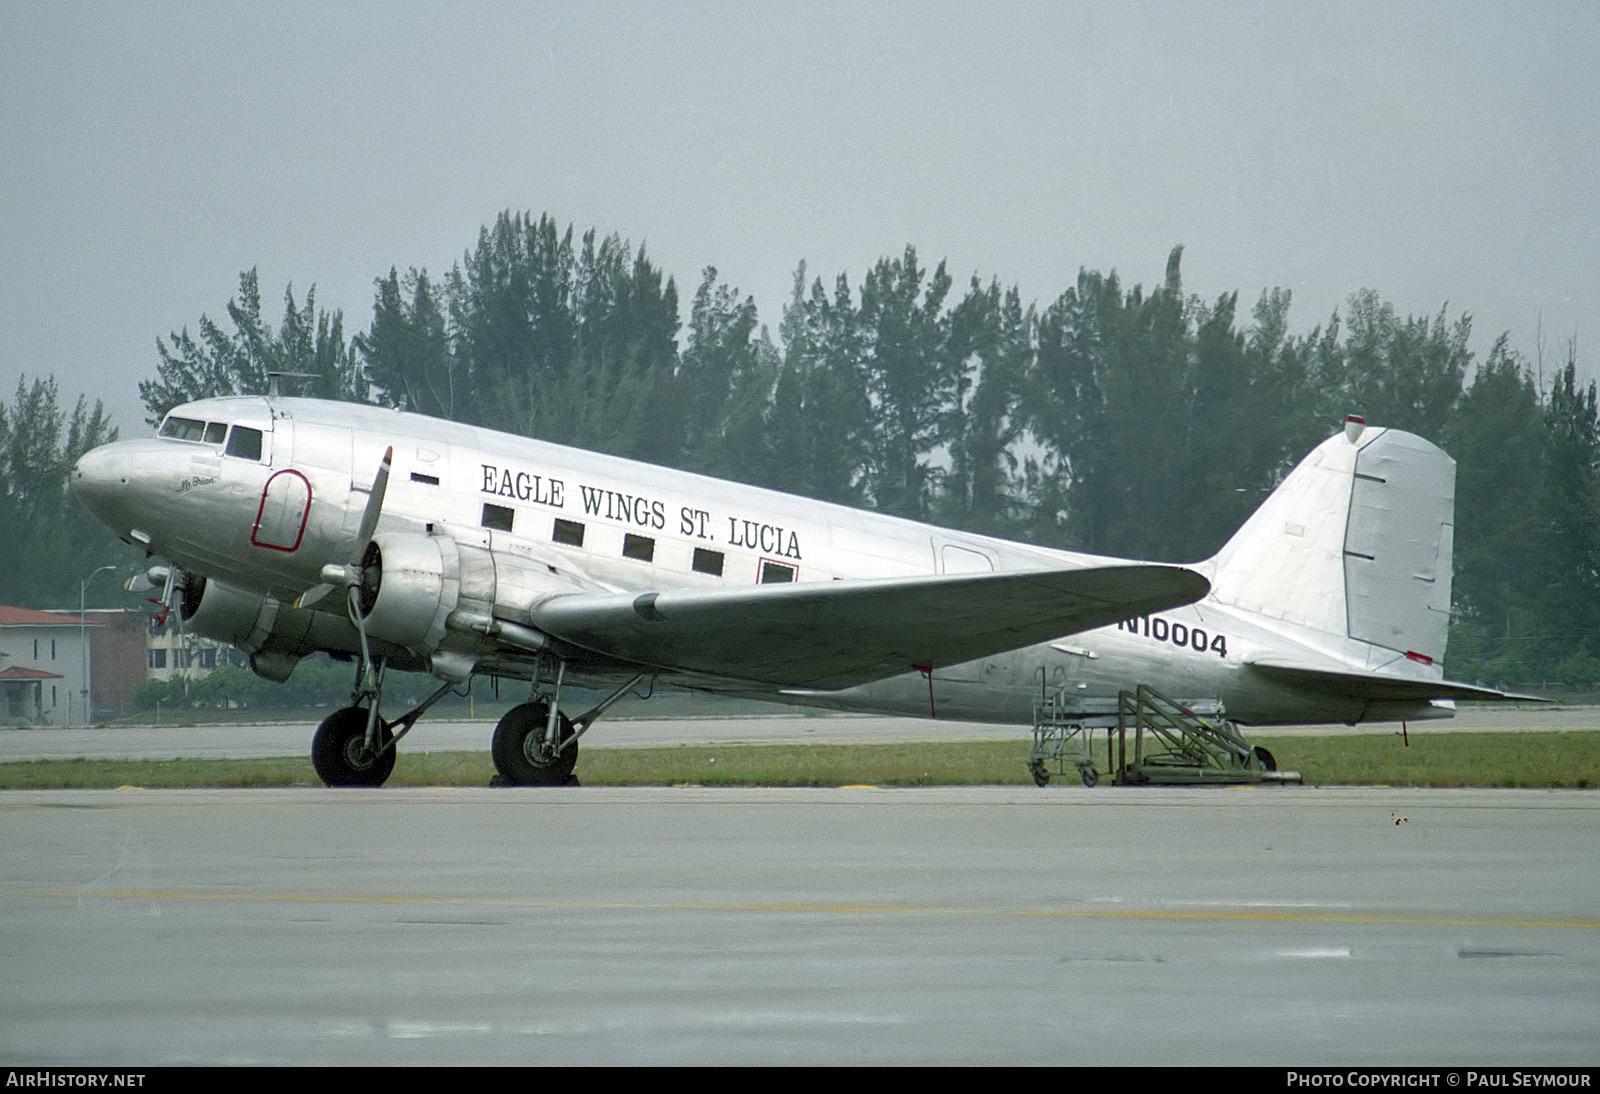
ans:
(241, 441)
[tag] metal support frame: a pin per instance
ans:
(1191, 743)
(1173, 742)
(581, 724)
(1063, 735)
(1192, 738)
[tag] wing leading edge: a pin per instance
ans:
(838, 634)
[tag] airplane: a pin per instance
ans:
(391, 539)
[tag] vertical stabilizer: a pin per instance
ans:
(1355, 543)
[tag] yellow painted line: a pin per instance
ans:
(1179, 914)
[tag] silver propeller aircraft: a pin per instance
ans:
(396, 540)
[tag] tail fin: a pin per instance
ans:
(1355, 546)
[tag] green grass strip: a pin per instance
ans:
(1563, 759)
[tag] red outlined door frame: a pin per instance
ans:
(289, 492)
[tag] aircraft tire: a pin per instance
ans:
(1265, 761)
(338, 751)
(516, 755)
(1090, 776)
(1041, 777)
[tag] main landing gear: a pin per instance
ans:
(526, 754)
(535, 744)
(340, 753)
(354, 746)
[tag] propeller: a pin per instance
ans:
(146, 580)
(350, 573)
(172, 582)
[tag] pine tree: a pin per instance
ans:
(309, 343)
(991, 344)
(407, 349)
(48, 540)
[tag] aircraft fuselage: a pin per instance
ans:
(262, 494)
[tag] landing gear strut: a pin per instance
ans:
(354, 746)
(535, 744)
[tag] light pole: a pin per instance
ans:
(83, 637)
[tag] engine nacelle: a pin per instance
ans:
(412, 584)
(274, 634)
(434, 602)
(214, 610)
(417, 590)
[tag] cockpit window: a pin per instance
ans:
(244, 443)
(183, 429)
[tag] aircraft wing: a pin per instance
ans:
(836, 634)
(1376, 685)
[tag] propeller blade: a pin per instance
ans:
(146, 580)
(315, 595)
(369, 518)
(347, 575)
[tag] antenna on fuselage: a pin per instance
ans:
(274, 377)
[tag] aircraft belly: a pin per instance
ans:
(907, 695)
(1252, 701)
(1003, 689)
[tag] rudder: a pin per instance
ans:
(1355, 543)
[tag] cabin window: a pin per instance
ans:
(569, 532)
(642, 548)
(426, 480)
(183, 429)
(775, 571)
(215, 432)
(498, 517)
(245, 443)
(707, 562)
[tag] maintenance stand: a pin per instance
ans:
(1176, 743)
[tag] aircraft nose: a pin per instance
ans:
(99, 479)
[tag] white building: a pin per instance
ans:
(170, 652)
(44, 667)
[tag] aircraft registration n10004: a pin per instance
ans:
(392, 539)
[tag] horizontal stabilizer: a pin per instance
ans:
(836, 634)
(1377, 685)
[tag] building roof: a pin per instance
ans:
(19, 673)
(27, 617)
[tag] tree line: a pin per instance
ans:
(48, 542)
(1123, 420)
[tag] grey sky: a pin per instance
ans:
(1438, 153)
